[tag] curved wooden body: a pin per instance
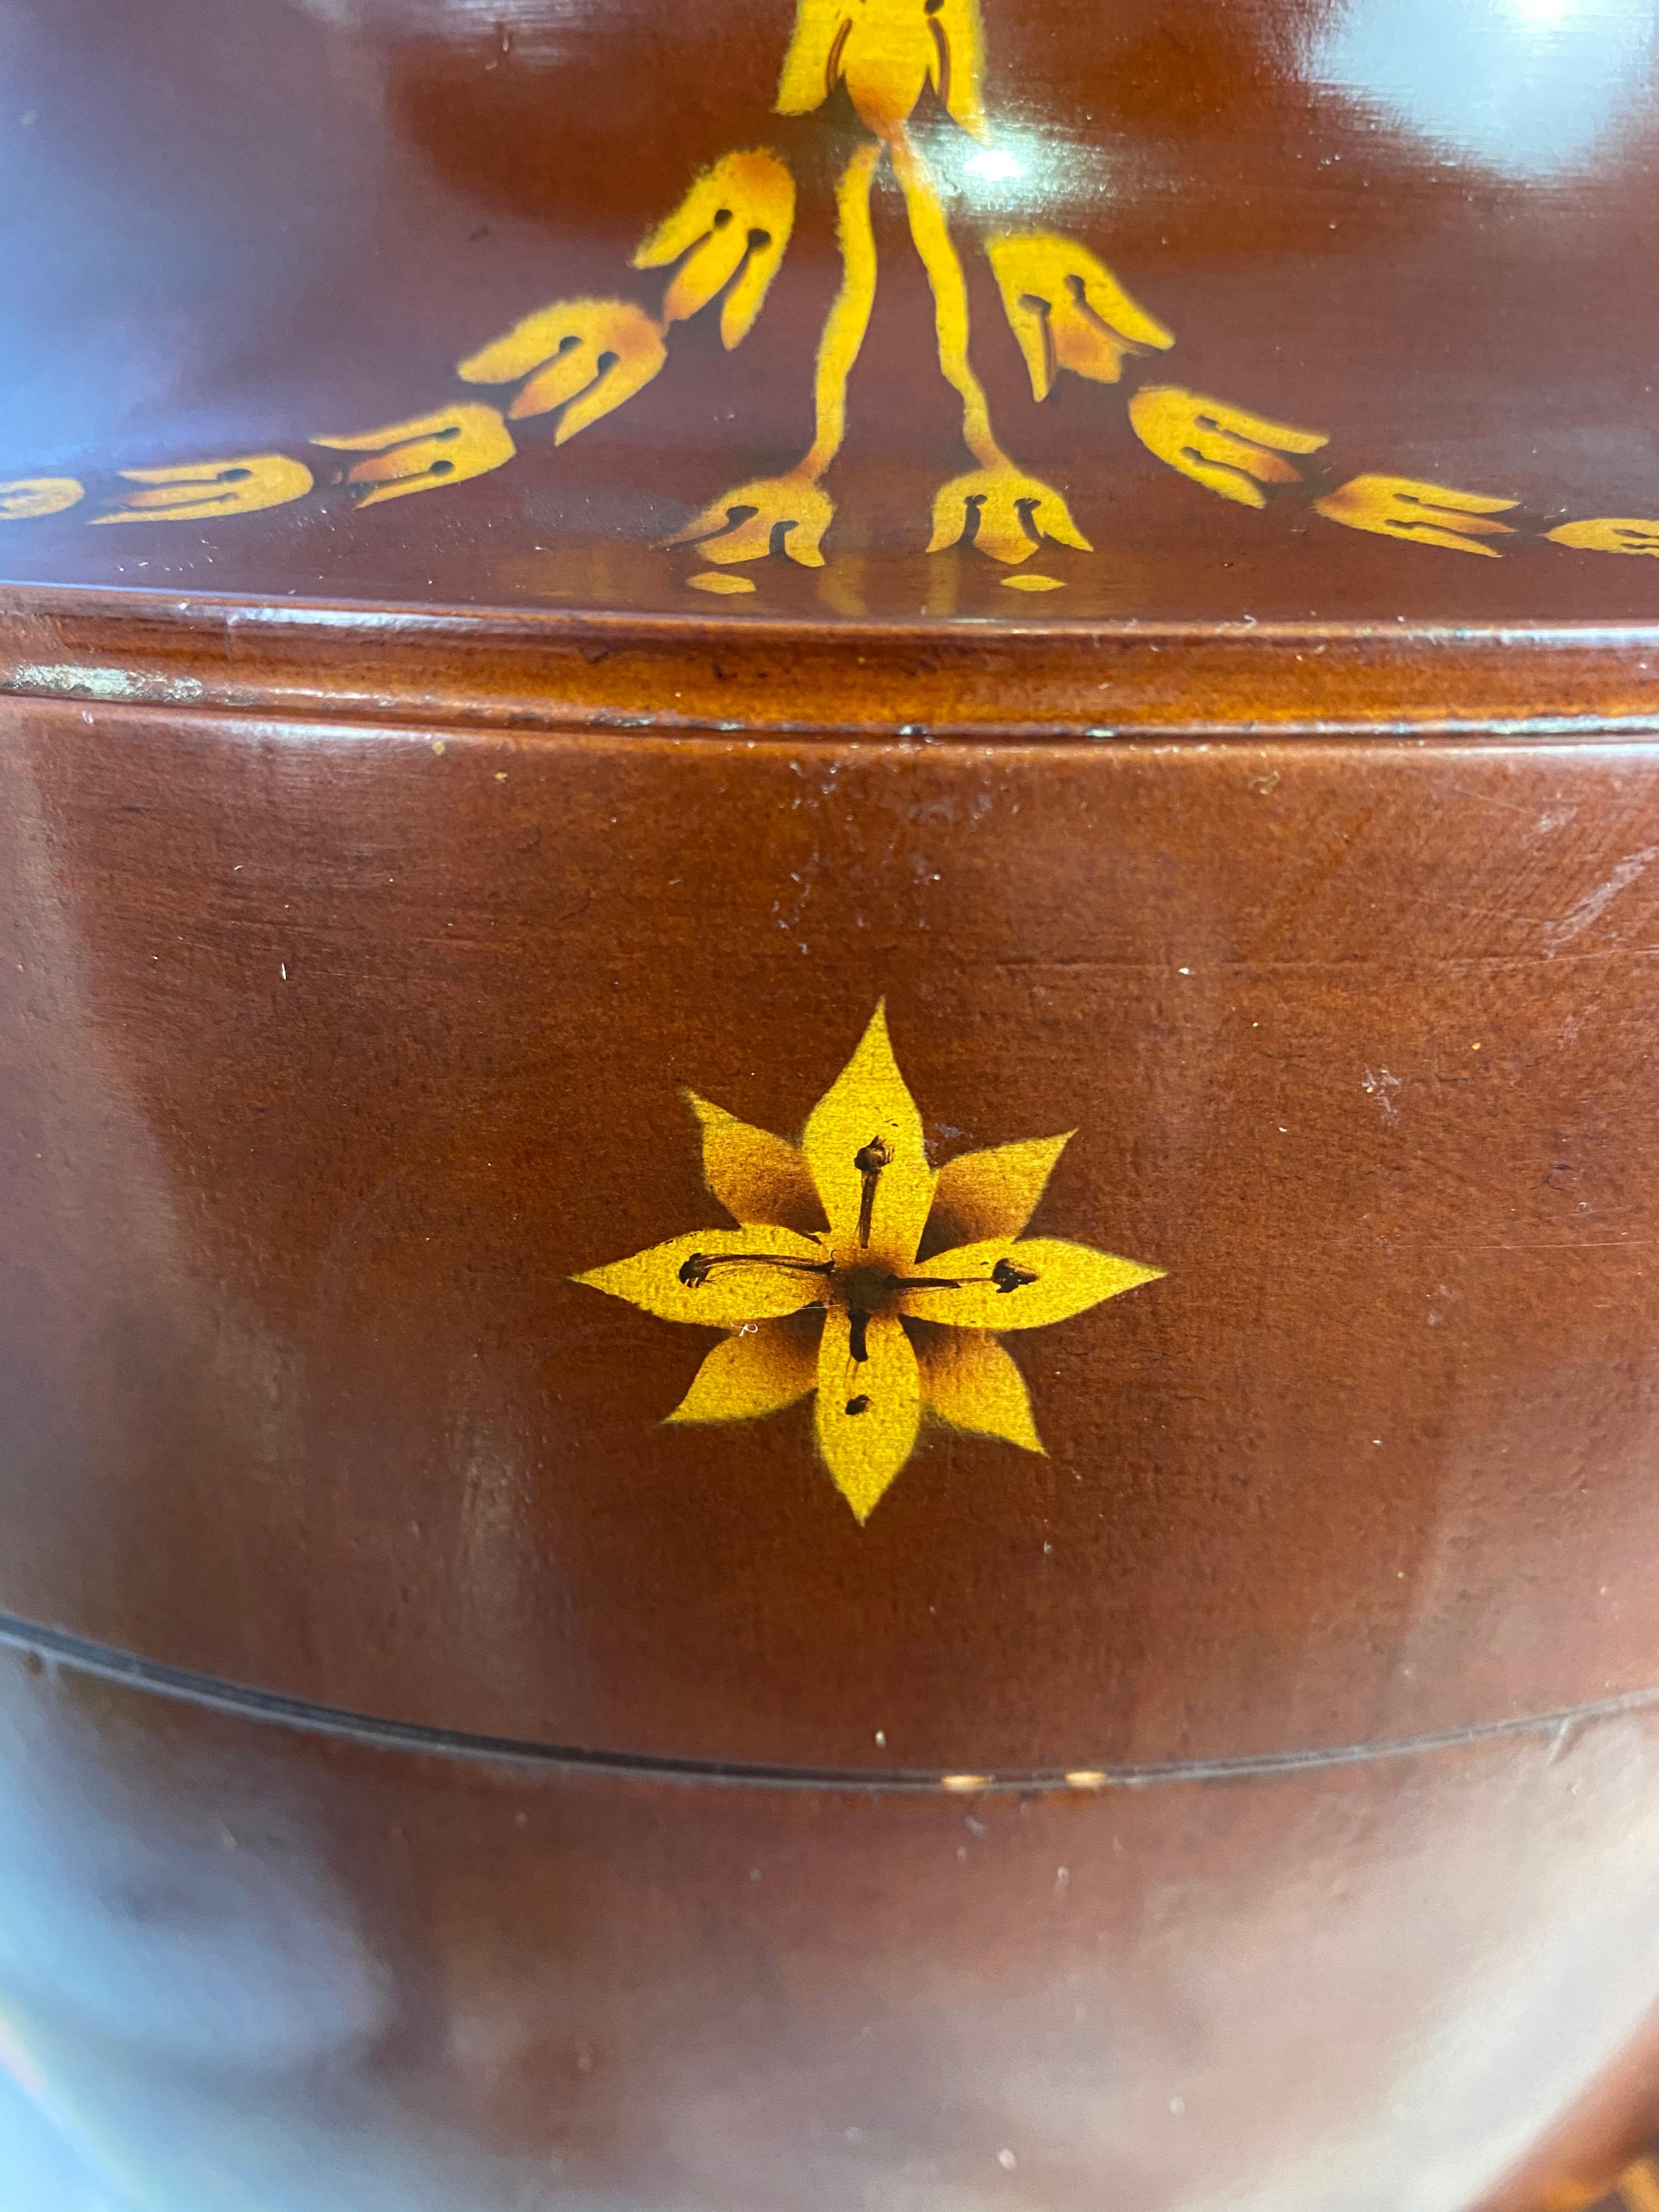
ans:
(1208, 1754)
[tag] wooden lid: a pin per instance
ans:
(1294, 314)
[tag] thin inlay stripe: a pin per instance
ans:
(110, 1664)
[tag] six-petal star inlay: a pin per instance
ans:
(826, 1249)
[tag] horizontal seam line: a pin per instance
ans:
(366, 717)
(111, 1663)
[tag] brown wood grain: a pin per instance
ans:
(288, 1965)
(429, 1778)
(335, 1054)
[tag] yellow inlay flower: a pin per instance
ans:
(829, 1233)
(884, 52)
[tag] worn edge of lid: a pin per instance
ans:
(535, 669)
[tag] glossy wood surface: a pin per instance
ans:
(355, 1050)
(238, 227)
(433, 1776)
(289, 1969)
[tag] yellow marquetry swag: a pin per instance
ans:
(581, 359)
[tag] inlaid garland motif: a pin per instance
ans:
(581, 359)
(823, 1294)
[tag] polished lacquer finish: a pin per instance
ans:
(876, 314)
(828, 875)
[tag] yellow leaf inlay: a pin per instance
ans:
(1224, 448)
(1067, 310)
(202, 489)
(1007, 512)
(1609, 533)
(811, 66)
(1420, 514)
(766, 1366)
(737, 217)
(995, 1193)
(448, 447)
(27, 497)
(721, 1276)
(741, 524)
(1024, 1284)
(756, 1176)
(970, 1381)
(585, 356)
(869, 1405)
(864, 1145)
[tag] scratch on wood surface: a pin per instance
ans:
(1380, 1085)
(1594, 905)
